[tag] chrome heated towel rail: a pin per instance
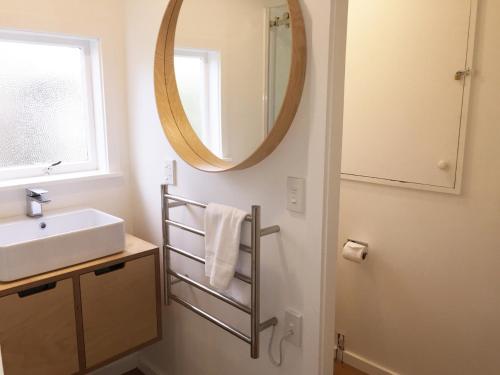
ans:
(171, 201)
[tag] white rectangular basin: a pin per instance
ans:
(34, 246)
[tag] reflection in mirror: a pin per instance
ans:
(232, 71)
(278, 61)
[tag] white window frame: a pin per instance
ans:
(96, 131)
(212, 104)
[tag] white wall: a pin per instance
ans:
(95, 19)
(291, 262)
(426, 301)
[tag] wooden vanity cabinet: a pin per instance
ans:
(119, 309)
(75, 320)
(38, 332)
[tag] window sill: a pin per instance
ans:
(57, 179)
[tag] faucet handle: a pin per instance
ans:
(35, 192)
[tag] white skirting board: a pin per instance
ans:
(148, 368)
(365, 365)
(121, 366)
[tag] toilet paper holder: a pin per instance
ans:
(359, 243)
(355, 241)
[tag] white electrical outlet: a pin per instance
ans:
(293, 321)
(170, 172)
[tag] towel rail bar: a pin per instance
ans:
(198, 259)
(210, 291)
(254, 280)
(263, 232)
(185, 227)
(190, 202)
(212, 319)
(244, 248)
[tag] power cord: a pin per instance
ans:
(278, 362)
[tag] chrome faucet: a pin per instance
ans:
(34, 200)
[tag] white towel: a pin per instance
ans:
(222, 243)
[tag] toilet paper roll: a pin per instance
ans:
(355, 252)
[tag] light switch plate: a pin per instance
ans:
(296, 194)
(170, 172)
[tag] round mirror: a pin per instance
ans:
(229, 76)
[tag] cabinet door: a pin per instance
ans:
(405, 110)
(38, 331)
(119, 306)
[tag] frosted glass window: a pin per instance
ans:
(46, 106)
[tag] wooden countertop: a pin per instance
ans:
(134, 248)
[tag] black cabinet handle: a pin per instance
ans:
(109, 269)
(37, 289)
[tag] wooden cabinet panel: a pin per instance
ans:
(38, 331)
(119, 307)
(405, 113)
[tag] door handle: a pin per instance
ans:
(109, 269)
(36, 290)
(461, 74)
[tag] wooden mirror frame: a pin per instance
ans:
(175, 123)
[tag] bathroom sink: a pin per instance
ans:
(33, 246)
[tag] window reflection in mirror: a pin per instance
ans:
(198, 79)
(232, 71)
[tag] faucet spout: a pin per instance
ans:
(35, 198)
(41, 199)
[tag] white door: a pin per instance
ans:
(403, 105)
